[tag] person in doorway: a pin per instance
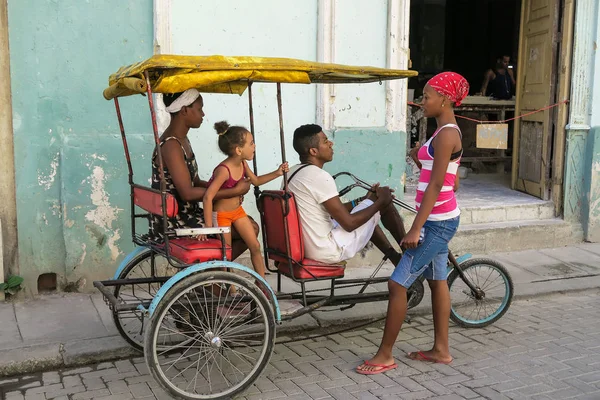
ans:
(434, 226)
(499, 81)
(181, 170)
(333, 231)
(238, 144)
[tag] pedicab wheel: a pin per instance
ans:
(470, 310)
(132, 324)
(227, 333)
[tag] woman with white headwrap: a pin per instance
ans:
(181, 169)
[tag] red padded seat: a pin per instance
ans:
(186, 249)
(191, 251)
(292, 263)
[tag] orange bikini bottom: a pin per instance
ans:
(227, 218)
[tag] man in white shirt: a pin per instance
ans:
(333, 231)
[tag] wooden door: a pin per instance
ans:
(536, 75)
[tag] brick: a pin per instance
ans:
(140, 390)
(50, 378)
(125, 366)
(70, 381)
(36, 396)
(44, 389)
(118, 387)
(91, 394)
(94, 384)
(65, 392)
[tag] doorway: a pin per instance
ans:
(469, 36)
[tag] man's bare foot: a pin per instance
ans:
(376, 365)
(431, 356)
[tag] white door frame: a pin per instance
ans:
(397, 56)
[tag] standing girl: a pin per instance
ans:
(238, 144)
(434, 226)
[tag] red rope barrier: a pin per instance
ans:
(506, 120)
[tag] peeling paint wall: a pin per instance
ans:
(72, 192)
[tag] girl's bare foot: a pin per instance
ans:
(376, 365)
(431, 356)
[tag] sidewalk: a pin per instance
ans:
(65, 330)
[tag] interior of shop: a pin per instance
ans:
(468, 37)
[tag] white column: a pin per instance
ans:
(8, 205)
(162, 45)
(397, 58)
(326, 54)
(586, 14)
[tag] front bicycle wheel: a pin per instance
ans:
(477, 310)
(222, 331)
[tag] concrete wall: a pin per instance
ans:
(72, 193)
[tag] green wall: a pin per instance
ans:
(72, 201)
(591, 195)
(372, 154)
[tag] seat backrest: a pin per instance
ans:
(272, 206)
(150, 200)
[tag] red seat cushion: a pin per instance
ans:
(191, 251)
(312, 269)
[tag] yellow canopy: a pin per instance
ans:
(220, 74)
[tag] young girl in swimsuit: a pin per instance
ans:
(238, 144)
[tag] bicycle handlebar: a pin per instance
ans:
(367, 186)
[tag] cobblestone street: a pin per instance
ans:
(545, 348)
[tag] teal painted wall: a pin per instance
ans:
(591, 195)
(73, 214)
(372, 154)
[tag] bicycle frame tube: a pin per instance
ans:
(129, 166)
(281, 135)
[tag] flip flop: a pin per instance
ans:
(382, 368)
(420, 356)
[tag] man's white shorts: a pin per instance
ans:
(351, 243)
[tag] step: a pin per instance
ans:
(498, 213)
(487, 238)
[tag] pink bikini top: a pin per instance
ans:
(229, 183)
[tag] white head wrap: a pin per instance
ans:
(186, 98)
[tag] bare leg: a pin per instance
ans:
(395, 317)
(440, 302)
(238, 246)
(392, 221)
(245, 229)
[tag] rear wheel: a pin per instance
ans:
(471, 310)
(210, 336)
(132, 324)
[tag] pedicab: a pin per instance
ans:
(207, 324)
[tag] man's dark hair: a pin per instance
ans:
(306, 138)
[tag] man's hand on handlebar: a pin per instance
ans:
(383, 194)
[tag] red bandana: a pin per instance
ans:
(451, 85)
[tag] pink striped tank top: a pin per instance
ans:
(446, 206)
